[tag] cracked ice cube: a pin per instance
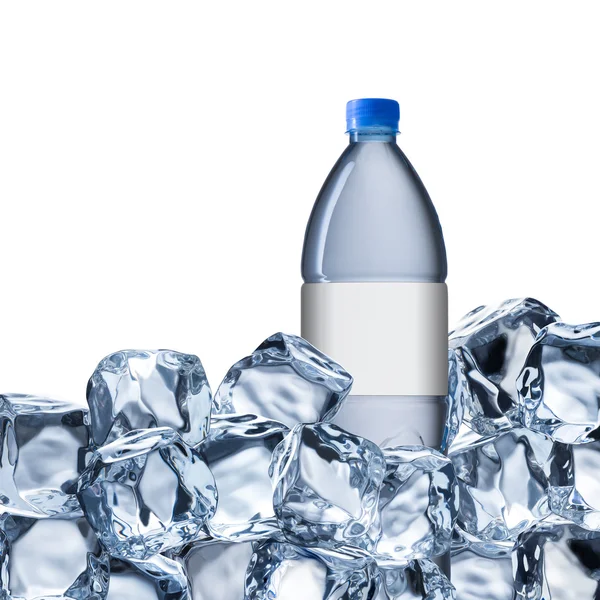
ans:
(238, 452)
(559, 386)
(41, 454)
(418, 580)
(287, 380)
(575, 485)
(327, 485)
(51, 558)
(286, 572)
(158, 578)
(558, 563)
(217, 571)
(418, 505)
(492, 342)
(141, 389)
(503, 484)
(474, 576)
(147, 492)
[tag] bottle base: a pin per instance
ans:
(395, 420)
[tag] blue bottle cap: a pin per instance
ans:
(372, 113)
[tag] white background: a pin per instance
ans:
(159, 160)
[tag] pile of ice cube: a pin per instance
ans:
(524, 441)
(161, 491)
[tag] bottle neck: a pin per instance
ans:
(372, 136)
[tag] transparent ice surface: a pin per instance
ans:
(503, 484)
(158, 578)
(488, 549)
(147, 492)
(418, 580)
(127, 583)
(286, 572)
(285, 379)
(238, 452)
(342, 557)
(575, 484)
(476, 577)
(418, 505)
(458, 397)
(41, 454)
(217, 571)
(140, 389)
(327, 485)
(51, 558)
(559, 563)
(559, 387)
(492, 343)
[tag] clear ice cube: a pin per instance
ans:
(285, 379)
(476, 577)
(327, 484)
(458, 397)
(559, 387)
(503, 484)
(341, 558)
(217, 571)
(492, 343)
(147, 492)
(575, 484)
(286, 572)
(557, 563)
(487, 549)
(51, 558)
(238, 452)
(418, 505)
(418, 580)
(41, 455)
(141, 389)
(158, 578)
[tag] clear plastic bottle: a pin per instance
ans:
(374, 297)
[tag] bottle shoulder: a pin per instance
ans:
(373, 220)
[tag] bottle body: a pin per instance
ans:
(392, 337)
(373, 220)
(374, 297)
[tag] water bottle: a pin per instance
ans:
(374, 297)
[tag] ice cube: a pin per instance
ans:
(342, 557)
(503, 484)
(458, 397)
(158, 578)
(141, 389)
(327, 484)
(238, 452)
(418, 505)
(147, 492)
(217, 571)
(285, 379)
(558, 563)
(575, 485)
(286, 572)
(492, 342)
(418, 580)
(51, 558)
(559, 387)
(487, 549)
(41, 454)
(476, 577)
